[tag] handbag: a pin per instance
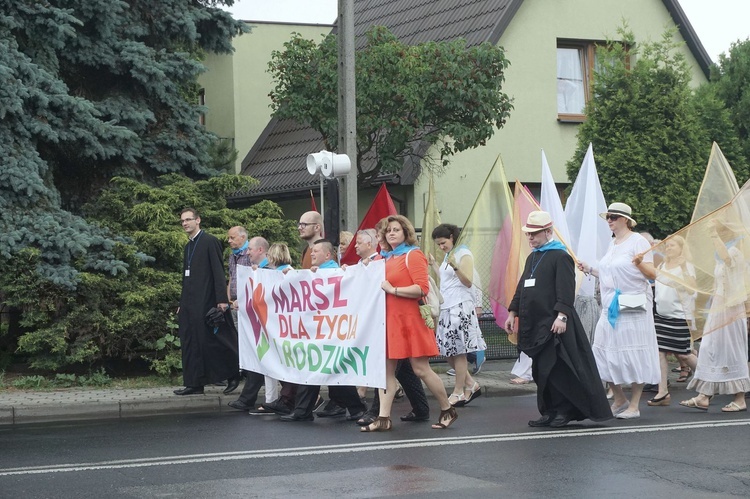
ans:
(632, 302)
(429, 304)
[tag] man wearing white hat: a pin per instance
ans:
(550, 332)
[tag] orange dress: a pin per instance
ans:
(406, 333)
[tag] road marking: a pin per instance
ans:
(363, 447)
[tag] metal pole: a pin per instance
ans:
(347, 110)
(322, 200)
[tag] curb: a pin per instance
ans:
(79, 405)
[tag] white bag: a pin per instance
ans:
(629, 303)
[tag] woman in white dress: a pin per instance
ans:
(625, 345)
(458, 330)
(722, 358)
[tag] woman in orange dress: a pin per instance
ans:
(407, 335)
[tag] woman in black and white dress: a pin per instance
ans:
(674, 313)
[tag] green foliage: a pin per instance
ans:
(651, 150)
(125, 315)
(96, 379)
(731, 80)
(717, 125)
(89, 90)
(440, 93)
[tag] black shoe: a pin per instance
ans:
(239, 405)
(560, 421)
(318, 403)
(332, 409)
(232, 384)
(295, 417)
(260, 411)
(543, 421)
(415, 417)
(651, 388)
(355, 416)
(190, 390)
(277, 407)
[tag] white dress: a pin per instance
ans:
(458, 326)
(629, 352)
(722, 358)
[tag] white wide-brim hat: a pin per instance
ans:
(537, 220)
(620, 209)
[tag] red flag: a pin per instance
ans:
(312, 202)
(382, 206)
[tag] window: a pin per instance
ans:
(202, 103)
(575, 69)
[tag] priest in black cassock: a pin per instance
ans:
(550, 332)
(209, 351)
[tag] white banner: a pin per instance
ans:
(314, 328)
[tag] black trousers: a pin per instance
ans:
(253, 382)
(345, 396)
(413, 389)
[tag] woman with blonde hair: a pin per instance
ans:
(407, 335)
(671, 315)
(278, 257)
(722, 359)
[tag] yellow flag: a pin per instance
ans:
(430, 221)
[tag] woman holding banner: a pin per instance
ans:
(625, 345)
(458, 330)
(407, 335)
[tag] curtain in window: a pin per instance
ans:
(571, 95)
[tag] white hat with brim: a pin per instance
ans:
(537, 220)
(620, 209)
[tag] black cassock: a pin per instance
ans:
(207, 356)
(563, 365)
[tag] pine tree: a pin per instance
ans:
(89, 90)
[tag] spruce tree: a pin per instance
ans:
(89, 90)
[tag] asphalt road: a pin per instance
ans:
(490, 452)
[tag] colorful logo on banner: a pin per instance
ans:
(257, 312)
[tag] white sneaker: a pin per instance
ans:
(450, 372)
(629, 414)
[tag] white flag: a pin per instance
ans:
(589, 233)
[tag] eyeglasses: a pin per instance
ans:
(186, 220)
(613, 217)
(305, 224)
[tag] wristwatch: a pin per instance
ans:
(562, 318)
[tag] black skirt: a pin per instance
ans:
(672, 335)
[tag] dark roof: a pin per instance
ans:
(689, 35)
(277, 159)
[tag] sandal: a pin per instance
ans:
(380, 424)
(475, 391)
(693, 404)
(447, 418)
(457, 400)
(684, 375)
(733, 407)
(366, 420)
(519, 381)
(659, 401)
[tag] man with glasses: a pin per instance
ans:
(209, 352)
(310, 229)
(550, 332)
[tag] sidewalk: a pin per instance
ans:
(80, 404)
